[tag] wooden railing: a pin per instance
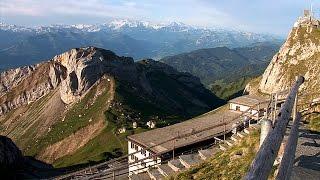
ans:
(264, 160)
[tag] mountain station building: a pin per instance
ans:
(151, 148)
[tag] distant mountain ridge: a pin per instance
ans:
(139, 39)
(217, 67)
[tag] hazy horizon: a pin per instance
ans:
(271, 17)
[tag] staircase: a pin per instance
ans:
(186, 161)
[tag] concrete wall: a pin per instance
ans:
(233, 106)
(140, 166)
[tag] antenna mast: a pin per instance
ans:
(311, 9)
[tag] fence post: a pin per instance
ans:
(266, 126)
(287, 161)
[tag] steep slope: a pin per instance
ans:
(58, 109)
(219, 68)
(299, 55)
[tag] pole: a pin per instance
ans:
(113, 175)
(295, 109)
(258, 113)
(275, 106)
(224, 130)
(174, 141)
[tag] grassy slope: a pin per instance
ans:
(140, 108)
(231, 164)
(229, 90)
(72, 122)
(108, 144)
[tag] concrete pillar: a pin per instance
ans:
(266, 126)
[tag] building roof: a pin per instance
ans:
(249, 100)
(210, 124)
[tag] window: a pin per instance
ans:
(132, 145)
(132, 157)
(237, 108)
(136, 147)
(143, 164)
(154, 158)
(143, 152)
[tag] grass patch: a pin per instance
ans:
(230, 90)
(314, 124)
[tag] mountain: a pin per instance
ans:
(299, 55)
(138, 39)
(218, 68)
(11, 156)
(69, 110)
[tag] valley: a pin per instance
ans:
(225, 71)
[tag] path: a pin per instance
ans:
(307, 158)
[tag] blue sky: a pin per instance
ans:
(266, 16)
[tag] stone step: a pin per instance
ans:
(247, 131)
(223, 147)
(241, 134)
(141, 176)
(230, 142)
(190, 160)
(235, 138)
(165, 170)
(255, 126)
(176, 165)
(207, 153)
(155, 174)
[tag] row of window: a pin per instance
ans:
(134, 158)
(136, 147)
(133, 146)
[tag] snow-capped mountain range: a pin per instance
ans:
(114, 25)
(138, 39)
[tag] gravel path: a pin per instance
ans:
(307, 158)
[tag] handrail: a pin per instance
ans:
(263, 162)
(289, 152)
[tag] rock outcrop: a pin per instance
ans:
(10, 155)
(74, 72)
(299, 55)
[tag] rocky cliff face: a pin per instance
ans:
(299, 55)
(73, 72)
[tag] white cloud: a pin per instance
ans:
(70, 7)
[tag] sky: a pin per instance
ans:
(261, 16)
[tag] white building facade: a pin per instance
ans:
(243, 108)
(249, 104)
(144, 159)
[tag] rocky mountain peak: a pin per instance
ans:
(299, 55)
(73, 73)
